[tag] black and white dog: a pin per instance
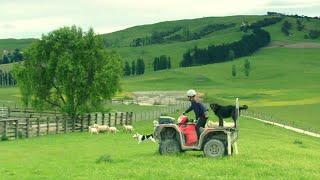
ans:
(143, 138)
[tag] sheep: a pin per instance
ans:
(93, 130)
(128, 128)
(101, 128)
(113, 130)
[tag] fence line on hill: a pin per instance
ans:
(269, 118)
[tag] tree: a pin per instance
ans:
(70, 70)
(133, 68)
(231, 55)
(300, 26)
(286, 26)
(127, 69)
(234, 71)
(247, 67)
(140, 66)
(16, 56)
(169, 63)
(5, 59)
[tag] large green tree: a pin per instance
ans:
(68, 69)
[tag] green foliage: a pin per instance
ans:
(221, 53)
(314, 34)
(162, 62)
(69, 70)
(300, 26)
(4, 138)
(133, 67)
(247, 67)
(140, 67)
(127, 69)
(286, 26)
(234, 71)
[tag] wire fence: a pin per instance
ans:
(271, 118)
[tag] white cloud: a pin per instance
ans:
(21, 18)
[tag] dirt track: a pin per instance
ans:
(294, 45)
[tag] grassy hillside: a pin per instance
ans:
(265, 152)
(11, 44)
(121, 39)
(281, 79)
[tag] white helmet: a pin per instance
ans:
(191, 93)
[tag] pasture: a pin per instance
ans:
(265, 152)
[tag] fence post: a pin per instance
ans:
(96, 118)
(89, 120)
(57, 124)
(27, 127)
(16, 129)
(126, 120)
(73, 124)
(109, 120)
(38, 126)
(103, 120)
(121, 118)
(5, 128)
(9, 111)
(65, 124)
(48, 120)
(115, 119)
(130, 117)
(81, 119)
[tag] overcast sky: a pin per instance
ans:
(31, 18)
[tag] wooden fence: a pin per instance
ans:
(18, 123)
(26, 123)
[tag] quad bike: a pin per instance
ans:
(214, 142)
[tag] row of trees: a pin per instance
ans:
(162, 62)
(286, 26)
(294, 16)
(11, 56)
(136, 68)
(246, 68)
(158, 37)
(313, 34)
(259, 24)
(7, 79)
(187, 35)
(221, 53)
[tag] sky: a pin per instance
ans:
(32, 18)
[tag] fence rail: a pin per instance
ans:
(25, 124)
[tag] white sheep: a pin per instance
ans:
(113, 130)
(128, 128)
(93, 130)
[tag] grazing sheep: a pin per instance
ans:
(103, 128)
(93, 130)
(128, 128)
(113, 130)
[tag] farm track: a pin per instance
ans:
(286, 127)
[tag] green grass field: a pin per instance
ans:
(266, 152)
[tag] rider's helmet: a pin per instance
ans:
(191, 93)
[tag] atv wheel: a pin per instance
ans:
(214, 148)
(169, 147)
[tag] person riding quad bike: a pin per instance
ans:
(201, 112)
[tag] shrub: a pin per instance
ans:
(4, 138)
